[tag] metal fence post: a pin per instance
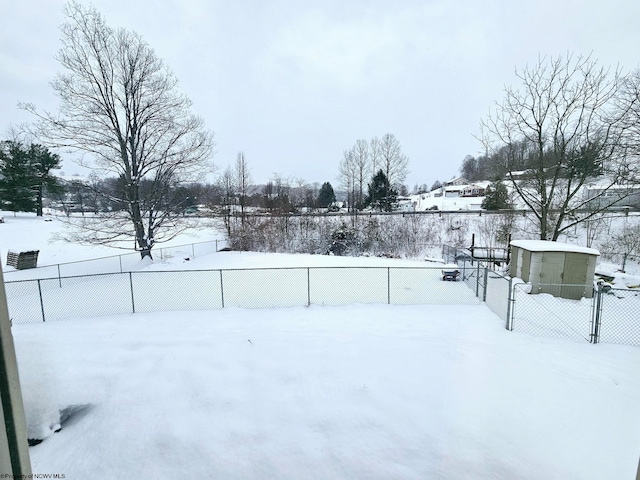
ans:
(477, 280)
(120, 258)
(595, 334)
(41, 302)
(221, 289)
(486, 280)
(308, 287)
(389, 285)
(193, 251)
(133, 303)
(59, 278)
(509, 306)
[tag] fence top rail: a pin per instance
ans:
(148, 272)
(626, 290)
(526, 284)
(336, 267)
(494, 274)
(57, 279)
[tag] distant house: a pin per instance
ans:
(473, 190)
(456, 182)
(405, 204)
(453, 190)
(613, 196)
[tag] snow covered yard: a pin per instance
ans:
(356, 391)
(359, 391)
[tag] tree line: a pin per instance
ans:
(566, 140)
(570, 121)
(122, 112)
(364, 161)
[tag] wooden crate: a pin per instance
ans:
(23, 260)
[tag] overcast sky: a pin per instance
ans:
(293, 83)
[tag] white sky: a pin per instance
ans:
(293, 84)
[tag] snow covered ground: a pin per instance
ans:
(357, 391)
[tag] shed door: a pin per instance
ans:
(575, 273)
(576, 266)
(551, 272)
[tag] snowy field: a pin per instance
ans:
(356, 391)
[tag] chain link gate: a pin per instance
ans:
(542, 314)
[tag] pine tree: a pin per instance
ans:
(381, 195)
(42, 161)
(497, 197)
(16, 186)
(326, 196)
(25, 174)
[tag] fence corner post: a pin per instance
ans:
(510, 301)
(486, 280)
(595, 334)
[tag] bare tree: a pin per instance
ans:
(558, 134)
(347, 177)
(628, 106)
(227, 185)
(393, 162)
(362, 172)
(375, 154)
(624, 243)
(120, 105)
(242, 182)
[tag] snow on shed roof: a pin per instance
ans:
(547, 246)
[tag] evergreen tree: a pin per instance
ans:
(326, 196)
(381, 195)
(25, 174)
(16, 193)
(497, 197)
(42, 161)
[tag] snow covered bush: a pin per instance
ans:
(408, 236)
(623, 244)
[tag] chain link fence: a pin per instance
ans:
(496, 294)
(39, 300)
(125, 262)
(543, 314)
(618, 319)
(610, 316)
(488, 285)
(603, 315)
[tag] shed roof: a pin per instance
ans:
(547, 246)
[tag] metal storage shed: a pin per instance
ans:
(561, 269)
